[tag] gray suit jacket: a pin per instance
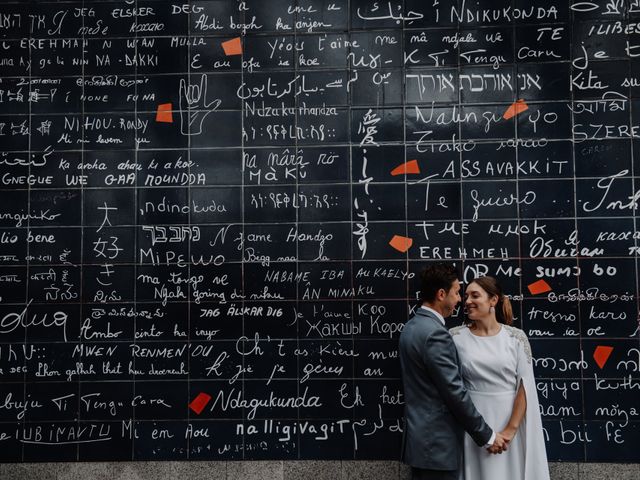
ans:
(438, 408)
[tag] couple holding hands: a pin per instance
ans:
(476, 378)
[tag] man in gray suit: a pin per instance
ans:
(438, 409)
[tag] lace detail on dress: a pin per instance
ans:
(456, 330)
(522, 338)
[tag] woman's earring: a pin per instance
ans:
(492, 309)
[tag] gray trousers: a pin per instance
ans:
(424, 474)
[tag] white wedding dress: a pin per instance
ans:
(492, 368)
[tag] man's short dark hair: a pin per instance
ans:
(435, 277)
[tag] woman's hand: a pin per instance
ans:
(508, 433)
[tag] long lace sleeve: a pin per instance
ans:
(536, 467)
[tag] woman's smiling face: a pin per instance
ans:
(477, 302)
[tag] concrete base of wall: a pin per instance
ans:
(303, 470)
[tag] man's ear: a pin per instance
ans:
(441, 294)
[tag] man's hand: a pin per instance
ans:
(500, 444)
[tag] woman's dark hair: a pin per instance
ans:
(435, 277)
(504, 312)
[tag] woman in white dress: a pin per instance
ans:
(496, 364)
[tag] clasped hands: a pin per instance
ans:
(502, 441)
